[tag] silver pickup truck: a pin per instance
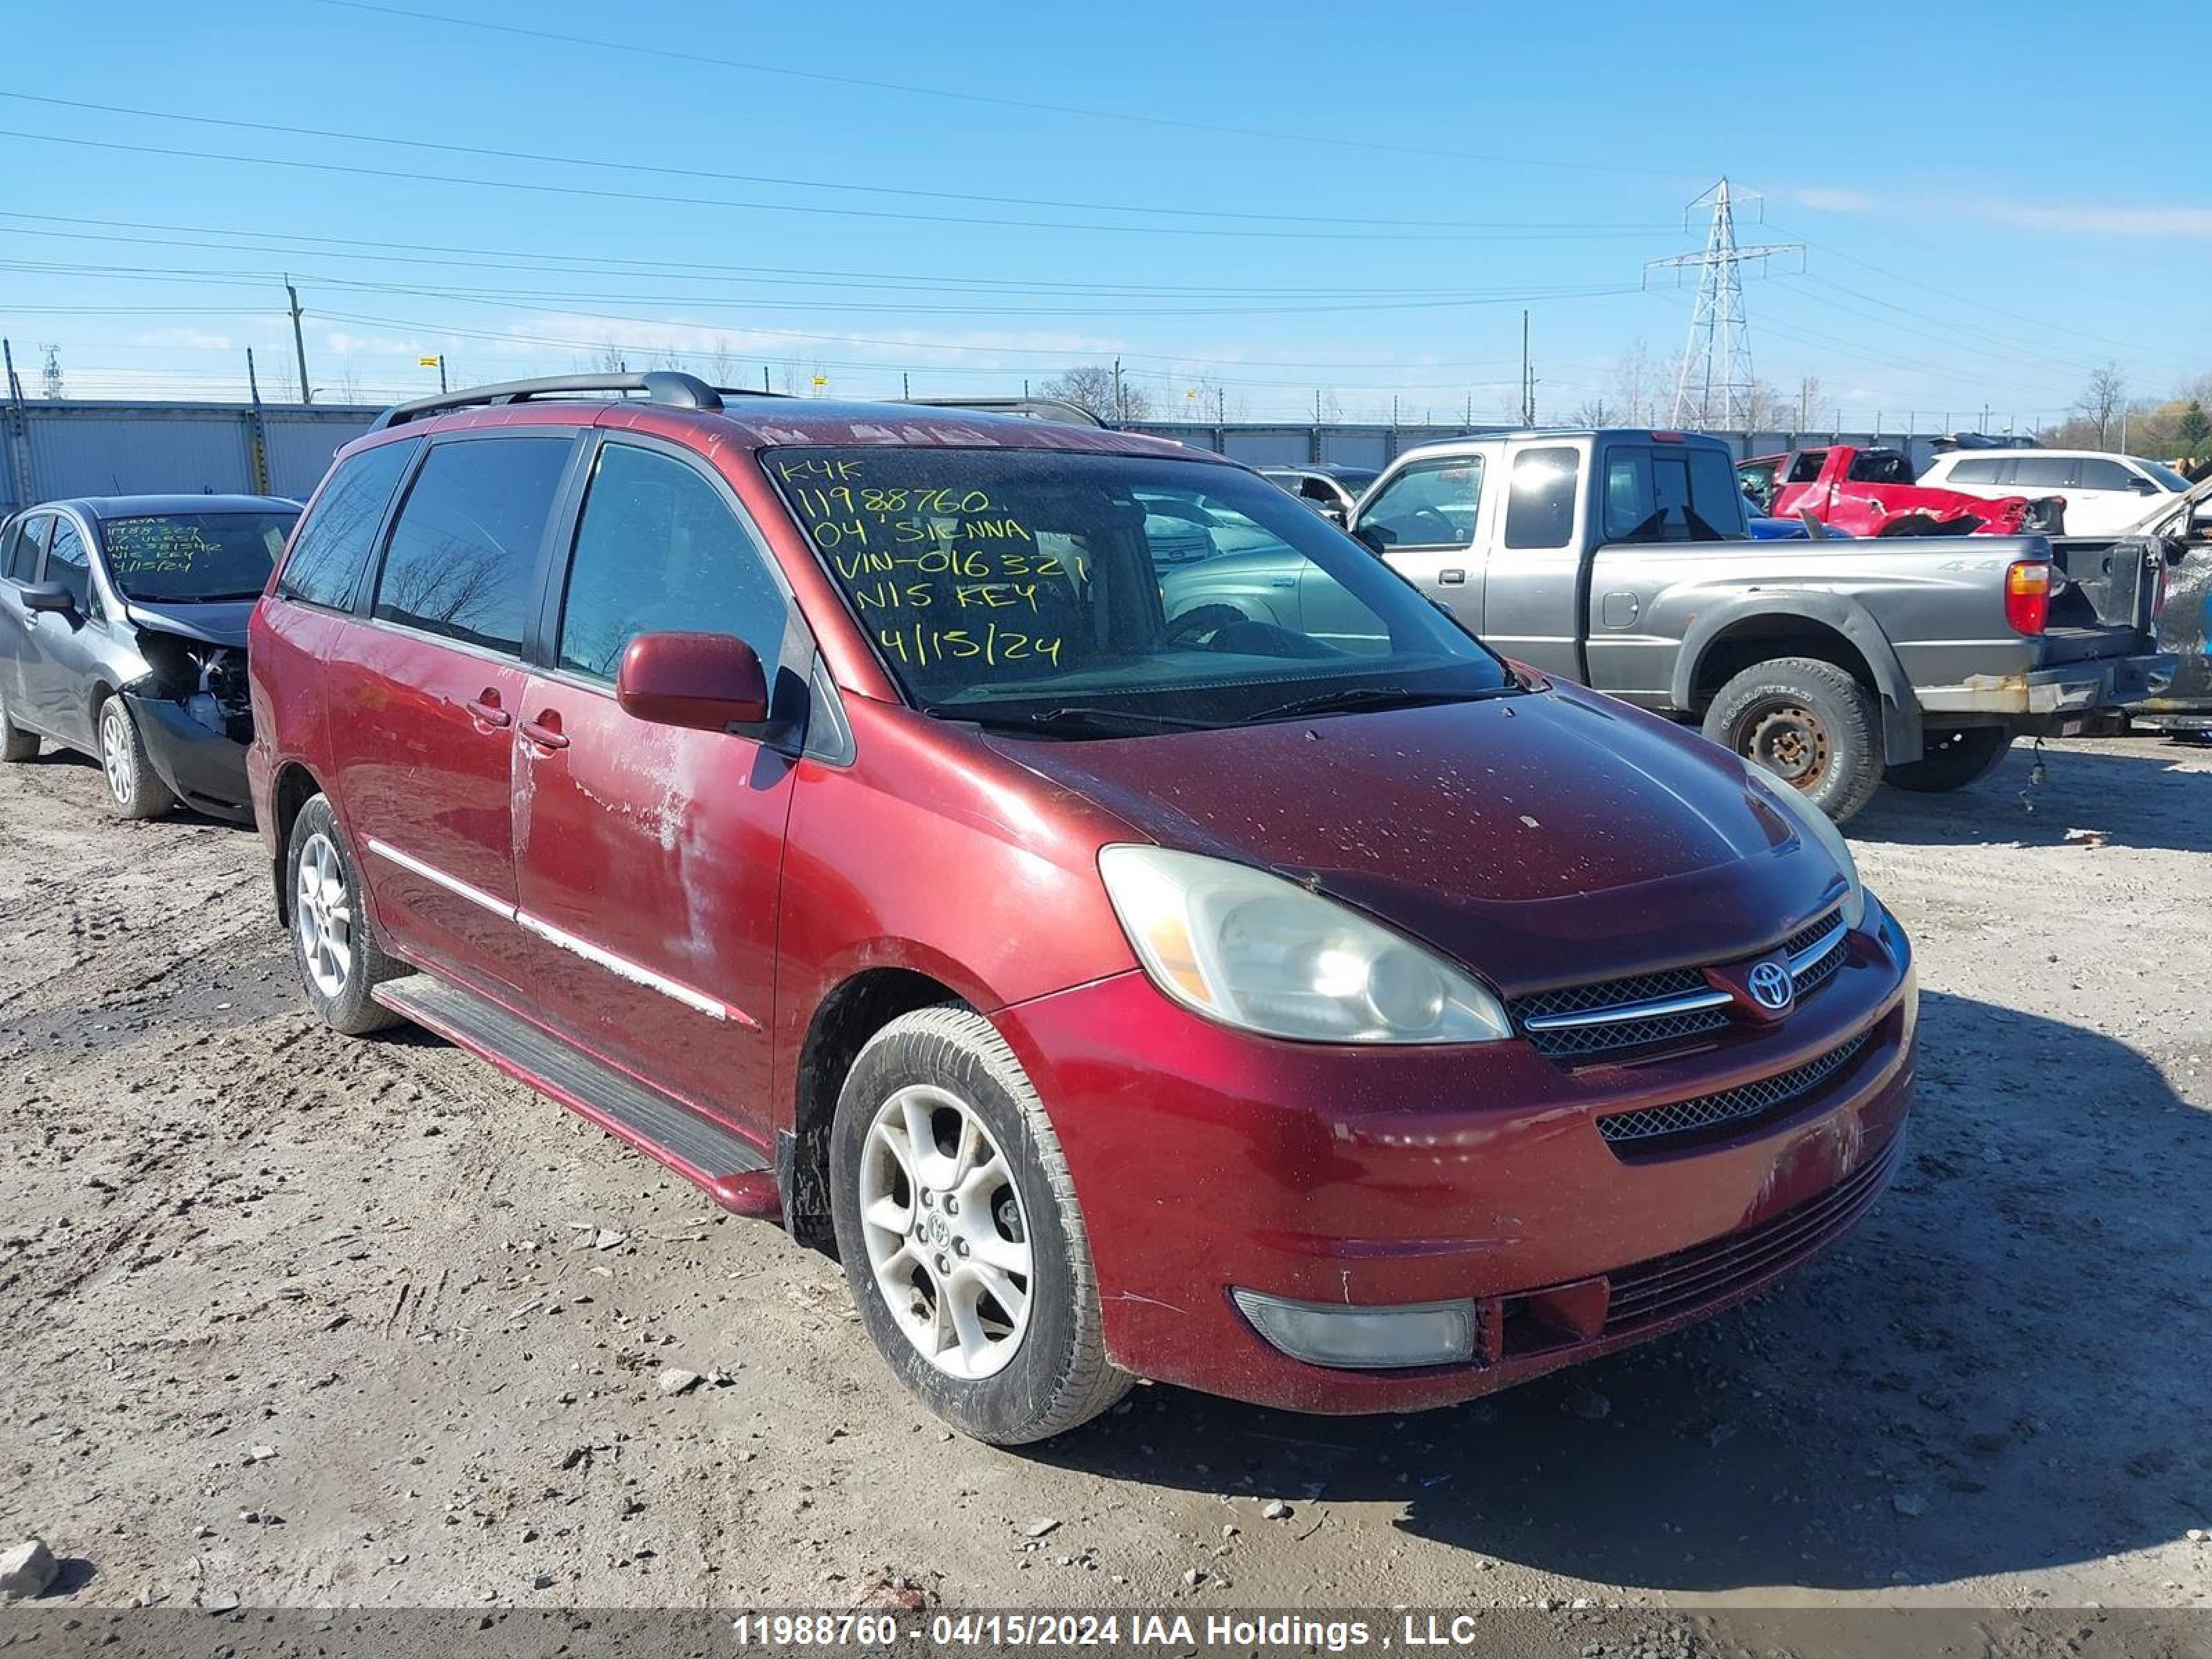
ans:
(1622, 559)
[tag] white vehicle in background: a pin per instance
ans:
(2105, 493)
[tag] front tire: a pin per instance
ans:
(1951, 759)
(1810, 724)
(16, 743)
(958, 1228)
(135, 789)
(333, 944)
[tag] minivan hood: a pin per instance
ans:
(1543, 839)
(221, 624)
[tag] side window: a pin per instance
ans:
(68, 563)
(1429, 504)
(1539, 511)
(1629, 514)
(2103, 474)
(658, 548)
(2042, 472)
(332, 547)
(463, 559)
(27, 539)
(1976, 469)
(1806, 468)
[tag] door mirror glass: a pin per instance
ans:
(1377, 537)
(47, 596)
(704, 681)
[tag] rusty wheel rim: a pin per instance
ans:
(1791, 741)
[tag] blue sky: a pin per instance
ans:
(1254, 202)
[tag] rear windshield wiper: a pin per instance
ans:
(1348, 699)
(1078, 719)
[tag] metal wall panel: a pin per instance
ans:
(94, 449)
(301, 443)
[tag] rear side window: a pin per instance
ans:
(1671, 495)
(68, 563)
(1429, 504)
(1980, 470)
(1540, 511)
(658, 548)
(463, 559)
(2041, 472)
(332, 547)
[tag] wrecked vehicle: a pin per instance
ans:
(821, 798)
(1873, 492)
(1620, 558)
(123, 624)
(2176, 534)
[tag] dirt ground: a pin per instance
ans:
(294, 1319)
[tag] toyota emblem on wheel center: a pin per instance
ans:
(1770, 986)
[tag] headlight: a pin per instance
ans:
(1254, 951)
(1817, 828)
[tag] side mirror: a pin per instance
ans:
(2142, 486)
(1334, 511)
(704, 681)
(47, 596)
(1375, 537)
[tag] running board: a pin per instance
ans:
(717, 1157)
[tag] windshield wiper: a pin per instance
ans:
(1347, 699)
(1076, 719)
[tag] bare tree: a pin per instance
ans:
(1096, 387)
(1641, 387)
(1594, 411)
(2102, 400)
(609, 360)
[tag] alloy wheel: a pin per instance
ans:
(947, 1238)
(115, 756)
(324, 911)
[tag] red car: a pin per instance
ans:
(1872, 492)
(816, 796)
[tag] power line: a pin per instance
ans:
(782, 182)
(598, 193)
(1000, 101)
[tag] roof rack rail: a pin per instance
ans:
(1050, 409)
(666, 386)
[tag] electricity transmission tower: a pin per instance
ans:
(1716, 386)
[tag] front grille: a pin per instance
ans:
(1628, 999)
(1729, 1107)
(1655, 1290)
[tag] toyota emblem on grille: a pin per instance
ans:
(1770, 986)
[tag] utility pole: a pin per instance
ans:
(299, 342)
(1121, 402)
(51, 375)
(1715, 387)
(906, 385)
(1528, 377)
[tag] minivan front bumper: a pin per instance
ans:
(1208, 1162)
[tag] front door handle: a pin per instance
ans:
(486, 708)
(545, 730)
(1452, 578)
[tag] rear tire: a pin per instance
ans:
(333, 943)
(1808, 724)
(953, 1199)
(1951, 759)
(16, 743)
(135, 789)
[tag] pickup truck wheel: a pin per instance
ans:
(1808, 723)
(958, 1226)
(1951, 759)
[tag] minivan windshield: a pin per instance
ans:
(1090, 595)
(194, 557)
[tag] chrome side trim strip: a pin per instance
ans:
(620, 967)
(1621, 1012)
(438, 878)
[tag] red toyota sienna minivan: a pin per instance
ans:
(1283, 996)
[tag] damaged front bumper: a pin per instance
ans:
(199, 751)
(2052, 698)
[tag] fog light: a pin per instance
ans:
(1353, 1338)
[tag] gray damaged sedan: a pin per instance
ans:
(122, 636)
